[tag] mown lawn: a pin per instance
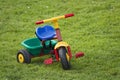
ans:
(94, 30)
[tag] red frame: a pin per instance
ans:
(69, 52)
(56, 54)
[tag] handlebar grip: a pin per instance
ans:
(40, 22)
(69, 15)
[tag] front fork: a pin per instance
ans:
(62, 44)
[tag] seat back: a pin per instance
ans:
(46, 32)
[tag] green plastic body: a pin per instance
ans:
(35, 47)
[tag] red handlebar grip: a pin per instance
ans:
(40, 22)
(69, 15)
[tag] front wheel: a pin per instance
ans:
(64, 58)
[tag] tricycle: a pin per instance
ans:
(48, 41)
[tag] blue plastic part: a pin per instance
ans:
(45, 33)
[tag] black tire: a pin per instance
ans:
(23, 56)
(63, 58)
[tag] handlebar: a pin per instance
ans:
(54, 18)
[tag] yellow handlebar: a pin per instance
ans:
(54, 19)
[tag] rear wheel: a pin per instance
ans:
(64, 58)
(23, 56)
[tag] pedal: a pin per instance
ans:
(48, 61)
(79, 54)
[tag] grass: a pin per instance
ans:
(94, 30)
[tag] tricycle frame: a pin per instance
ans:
(61, 50)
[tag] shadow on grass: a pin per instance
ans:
(37, 60)
(76, 64)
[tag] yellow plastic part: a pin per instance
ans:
(52, 19)
(68, 57)
(62, 43)
(21, 58)
(55, 24)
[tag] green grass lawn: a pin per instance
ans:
(94, 30)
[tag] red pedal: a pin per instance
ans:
(79, 54)
(48, 61)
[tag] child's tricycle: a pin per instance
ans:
(48, 41)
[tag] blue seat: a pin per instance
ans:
(45, 33)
